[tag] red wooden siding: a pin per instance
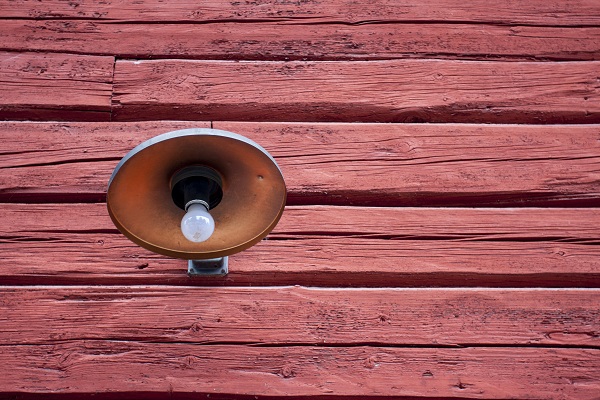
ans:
(323, 246)
(378, 91)
(302, 39)
(442, 233)
(334, 164)
(50, 86)
(306, 371)
(575, 13)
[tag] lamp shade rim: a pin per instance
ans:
(187, 132)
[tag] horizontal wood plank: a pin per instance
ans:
(187, 369)
(302, 316)
(320, 246)
(301, 40)
(336, 164)
(534, 12)
(433, 165)
(373, 91)
(66, 162)
(55, 86)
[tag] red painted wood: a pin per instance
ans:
(319, 246)
(302, 40)
(302, 316)
(359, 164)
(55, 86)
(147, 338)
(436, 165)
(110, 259)
(185, 369)
(69, 161)
(375, 91)
(535, 12)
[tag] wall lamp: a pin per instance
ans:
(197, 194)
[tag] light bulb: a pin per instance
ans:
(197, 225)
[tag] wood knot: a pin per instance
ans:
(371, 363)
(462, 386)
(287, 372)
(196, 327)
(66, 360)
(189, 362)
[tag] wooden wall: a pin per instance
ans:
(442, 232)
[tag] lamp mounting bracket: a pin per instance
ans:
(209, 267)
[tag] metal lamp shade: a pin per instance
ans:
(139, 193)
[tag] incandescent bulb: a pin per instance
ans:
(197, 225)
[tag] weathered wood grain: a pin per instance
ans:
(338, 164)
(301, 40)
(319, 246)
(55, 86)
(373, 91)
(535, 12)
(435, 165)
(110, 259)
(186, 369)
(302, 316)
(69, 161)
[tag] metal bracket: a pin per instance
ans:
(210, 267)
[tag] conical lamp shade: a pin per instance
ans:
(140, 204)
